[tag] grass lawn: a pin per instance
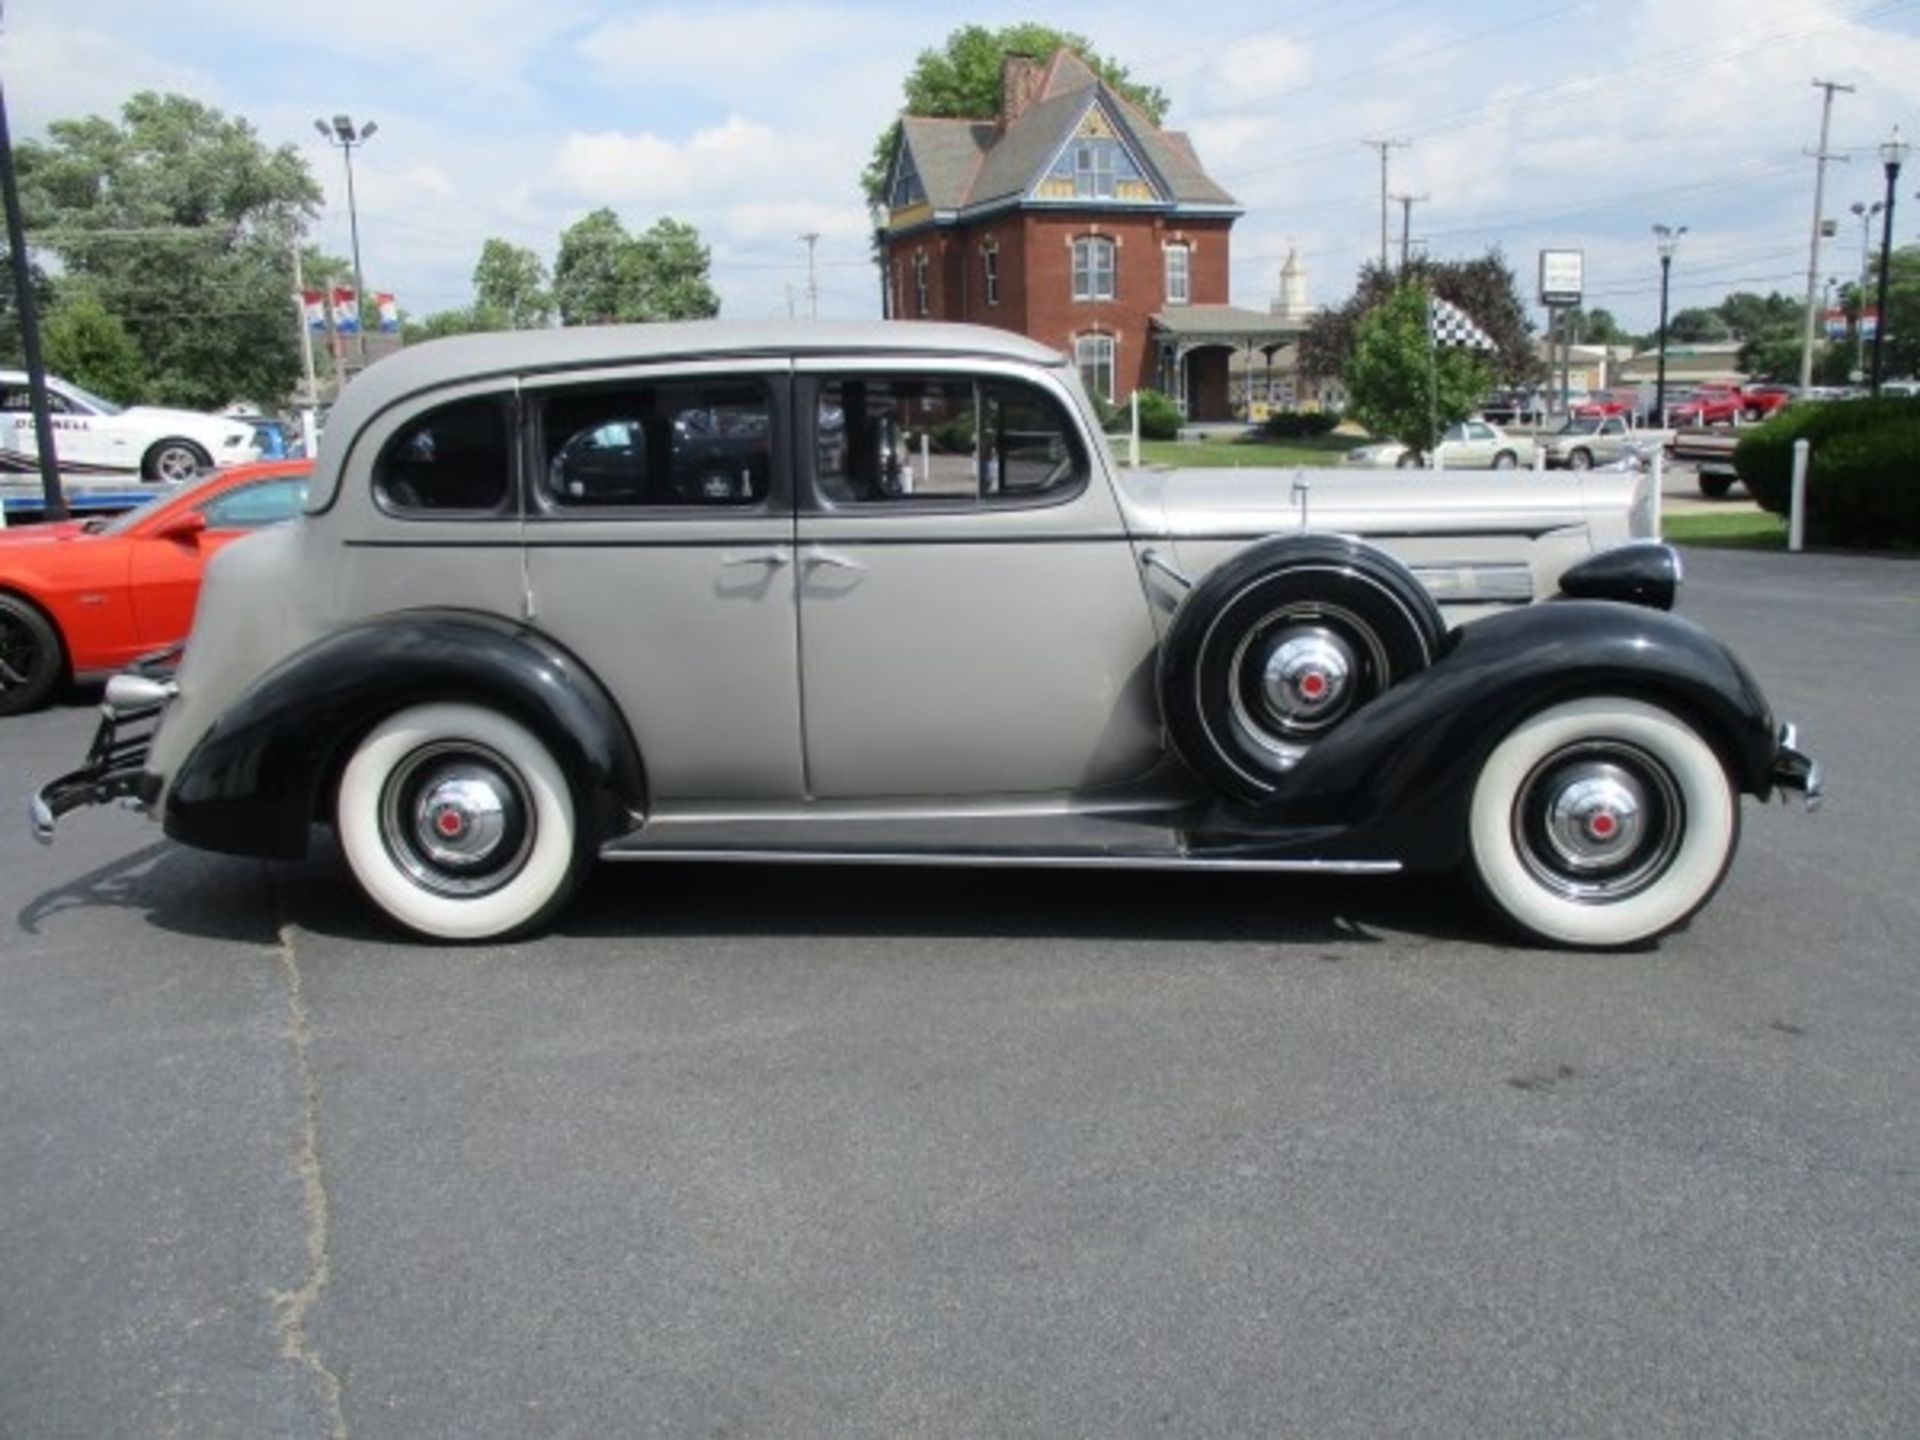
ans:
(1739, 530)
(1189, 454)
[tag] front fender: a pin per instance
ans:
(1395, 780)
(252, 784)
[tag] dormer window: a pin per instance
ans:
(1097, 167)
(1093, 168)
(907, 189)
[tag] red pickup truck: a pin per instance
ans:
(1728, 404)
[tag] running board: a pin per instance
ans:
(1006, 859)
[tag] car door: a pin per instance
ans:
(659, 548)
(164, 571)
(972, 619)
(1612, 439)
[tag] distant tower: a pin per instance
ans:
(1290, 306)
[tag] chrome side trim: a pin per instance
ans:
(1010, 860)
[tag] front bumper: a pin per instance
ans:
(115, 767)
(1795, 770)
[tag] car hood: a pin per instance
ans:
(163, 416)
(1225, 503)
(17, 535)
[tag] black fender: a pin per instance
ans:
(254, 783)
(1394, 781)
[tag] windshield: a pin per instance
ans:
(92, 401)
(1581, 427)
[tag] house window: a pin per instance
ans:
(920, 282)
(990, 262)
(1094, 355)
(1179, 274)
(1093, 169)
(1093, 268)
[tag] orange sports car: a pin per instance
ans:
(86, 597)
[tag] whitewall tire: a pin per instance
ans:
(1602, 822)
(458, 823)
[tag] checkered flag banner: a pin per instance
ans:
(1450, 325)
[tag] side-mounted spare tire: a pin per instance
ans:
(1279, 645)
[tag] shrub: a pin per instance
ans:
(1863, 484)
(1159, 417)
(1301, 424)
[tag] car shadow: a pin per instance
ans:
(223, 898)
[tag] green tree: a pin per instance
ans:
(1398, 386)
(178, 219)
(1598, 327)
(1696, 326)
(1484, 288)
(86, 343)
(962, 79)
(1749, 316)
(1900, 347)
(603, 274)
(510, 287)
(442, 323)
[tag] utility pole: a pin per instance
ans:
(812, 237)
(1406, 203)
(1819, 202)
(306, 330)
(1383, 145)
(53, 501)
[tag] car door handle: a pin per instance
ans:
(816, 556)
(773, 557)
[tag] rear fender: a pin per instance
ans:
(1397, 777)
(256, 781)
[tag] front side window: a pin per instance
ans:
(252, 506)
(1093, 268)
(1179, 275)
(458, 457)
(891, 440)
(684, 443)
(1094, 355)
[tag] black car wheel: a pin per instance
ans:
(174, 461)
(31, 656)
(1581, 459)
(1280, 645)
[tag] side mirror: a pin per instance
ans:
(186, 528)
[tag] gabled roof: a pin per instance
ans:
(966, 164)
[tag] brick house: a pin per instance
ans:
(1073, 219)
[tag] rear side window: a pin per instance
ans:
(458, 457)
(670, 444)
(902, 439)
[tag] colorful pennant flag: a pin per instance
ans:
(389, 312)
(346, 310)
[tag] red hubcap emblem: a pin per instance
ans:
(449, 823)
(1313, 685)
(1603, 825)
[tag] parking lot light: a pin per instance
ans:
(1893, 154)
(1666, 240)
(343, 134)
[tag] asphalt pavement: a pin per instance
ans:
(761, 1151)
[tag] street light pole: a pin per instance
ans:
(1892, 154)
(1666, 239)
(1866, 213)
(343, 134)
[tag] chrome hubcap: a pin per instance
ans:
(456, 818)
(1599, 822)
(1306, 675)
(176, 464)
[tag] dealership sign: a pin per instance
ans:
(1561, 274)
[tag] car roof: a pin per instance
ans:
(463, 359)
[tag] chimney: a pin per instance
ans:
(1020, 77)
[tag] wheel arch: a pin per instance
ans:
(1398, 776)
(269, 766)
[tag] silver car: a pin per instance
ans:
(1581, 444)
(878, 593)
(1467, 445)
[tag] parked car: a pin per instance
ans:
(82, 598)
(1607, 403)
(1513, 407)
(994, 648)
(1709, 405)
(1582, 444)
(1766, 400)
(1469, 445)
(96, 436)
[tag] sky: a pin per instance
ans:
(1529, 123)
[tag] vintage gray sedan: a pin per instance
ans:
(878, 593)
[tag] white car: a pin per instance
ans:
(1470, 445)
(95, 436)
